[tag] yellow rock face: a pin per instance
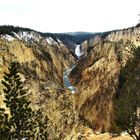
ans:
(41, 64)
(96, 76)
(96, 79)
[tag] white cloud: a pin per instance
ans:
(70, 15)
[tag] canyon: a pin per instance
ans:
(94, 62)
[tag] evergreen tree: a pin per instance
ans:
(127, 102)
(20, 122)
(41, 122)
(4, 129)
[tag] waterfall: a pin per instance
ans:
(78, 50)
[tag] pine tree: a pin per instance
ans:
(41, 123)
(20, 122)
(127, 103)
(4, 127)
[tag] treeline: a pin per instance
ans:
(127, 99)
(8, 29)
(138, 25)
(64, 37)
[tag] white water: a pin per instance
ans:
(78, 50)
(66, 81)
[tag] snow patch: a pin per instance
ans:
(51, 41)
(59, 41)
(8, 37)
(27, 36)
(16, 35)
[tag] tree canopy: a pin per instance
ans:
(127, 102)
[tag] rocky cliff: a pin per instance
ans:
(96, 75)
(43, 59)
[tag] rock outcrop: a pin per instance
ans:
(96, 76)
(42, 60)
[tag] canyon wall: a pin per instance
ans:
(96, 75)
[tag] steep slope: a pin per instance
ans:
(96, 75)
(44, 57)
(42, 60)
(72, 39)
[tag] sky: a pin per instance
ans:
(70, 15)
